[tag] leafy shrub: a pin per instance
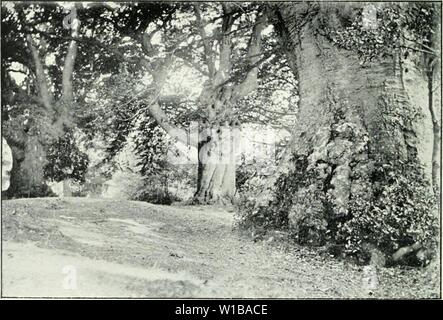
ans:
(31, 191)
(133, 186)
(306, 216)
(395, 208)
(400, 212)
(253, 203)
(371, 43)
(154, 190)
(259, 205)
(65, 160)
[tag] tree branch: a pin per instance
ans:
(427, 49)
(225, 66)
(159, 78)
(254, 48)
(91, 42)
(173, 131)
(206, 41)
(190, 62)
(68, 67)
(40, 75)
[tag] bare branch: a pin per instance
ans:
(264, 56)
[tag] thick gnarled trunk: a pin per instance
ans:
(216, 166)
(217, 184)
(348, 118)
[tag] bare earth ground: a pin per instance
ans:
(80, 247)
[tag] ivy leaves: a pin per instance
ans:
(402, 26)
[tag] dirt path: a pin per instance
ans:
(81, 247)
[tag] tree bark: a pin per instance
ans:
(65, 113)
(434, 92)
(42, 84)
(216, 166)
(329, 75)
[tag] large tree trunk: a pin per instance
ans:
(348, 109)
(217, 185)
(216, 166)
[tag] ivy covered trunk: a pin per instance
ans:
(356, 132)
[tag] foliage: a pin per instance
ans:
(396, 209)
(369, 43)
(151, 145)
(252, 204)
(27, 179)
(407, 26)
(256, 192)
(65, 160)
(400, 212)
(155, 188)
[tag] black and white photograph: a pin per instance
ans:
(215, 150)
